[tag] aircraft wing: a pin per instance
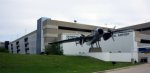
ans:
(84, 39)
(110, 33)
(65, 41)
(122, 30)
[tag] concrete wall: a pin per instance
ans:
(146, 37)
(106, 56)
(72, 48)
(123, 49)
(40, 38)
(51, 30)
(48, 31)
(30, 43)
(22, 46)
(69, 24)
(144, 55)
(123, 42)
(124, 45)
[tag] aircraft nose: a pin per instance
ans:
(100, 31)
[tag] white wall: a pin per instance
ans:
(106, 56)
(123, 49)
(71, 48)
(124, 43)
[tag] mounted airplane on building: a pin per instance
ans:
(91, 39)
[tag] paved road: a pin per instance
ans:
(144, 68)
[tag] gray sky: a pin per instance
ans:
(18, 17)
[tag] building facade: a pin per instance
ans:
(24, 45)
(47, 31)
(4, 44)
(127, 47)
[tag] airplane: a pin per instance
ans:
(91, 39)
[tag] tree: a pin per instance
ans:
(54, 49)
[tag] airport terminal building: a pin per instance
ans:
(132, 45)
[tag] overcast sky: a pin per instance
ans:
(19, 17)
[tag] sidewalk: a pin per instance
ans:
(142, 68)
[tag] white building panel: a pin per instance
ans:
(123, 42)
(121, 57)
(123, 49)
(72, 48)
(106, 56)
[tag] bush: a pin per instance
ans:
(53, 49)
(3, 50)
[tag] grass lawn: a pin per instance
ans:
(16, 63)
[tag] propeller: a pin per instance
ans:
(112, 33)
(82, 39)
(109, 34)
(100, 31)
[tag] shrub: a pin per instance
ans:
(53, 49)
(3, 50)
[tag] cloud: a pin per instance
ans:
(18, 15)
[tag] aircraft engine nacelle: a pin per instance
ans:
(98, 31)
